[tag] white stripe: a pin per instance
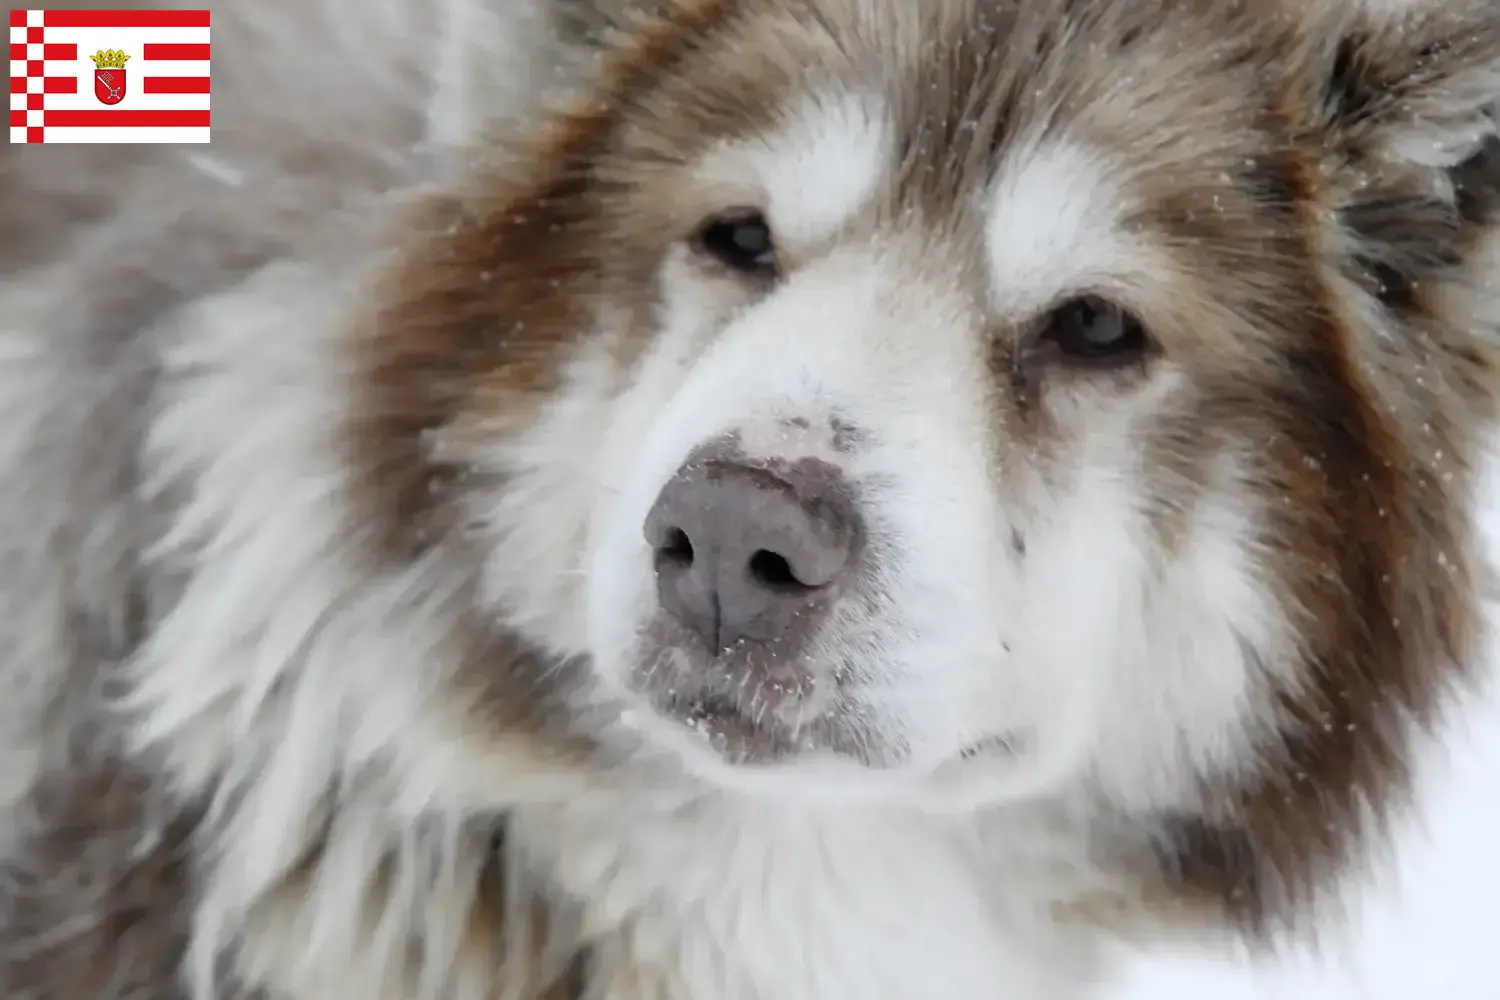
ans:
(130, 39)
(134, 100)
(111, 136)
(164, 67)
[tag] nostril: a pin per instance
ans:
(746, 553)
(676, 549)
(773, 572)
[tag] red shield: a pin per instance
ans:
(109, 85)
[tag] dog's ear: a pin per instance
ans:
(1412, 83)
(1401, 100)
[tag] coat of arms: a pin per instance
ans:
(109, 75)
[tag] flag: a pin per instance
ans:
(109, 75)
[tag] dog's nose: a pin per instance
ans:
(745, 554)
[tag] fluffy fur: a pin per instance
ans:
(333, 660)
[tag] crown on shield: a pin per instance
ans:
(109, 59)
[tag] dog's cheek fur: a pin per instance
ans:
(1389, 400)
(296, 813)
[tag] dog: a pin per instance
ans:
(740, 499)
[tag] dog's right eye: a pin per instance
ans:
(1091, 331)
(740, 240)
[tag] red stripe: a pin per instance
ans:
(123, 18)
(125, 119)
(59, 84)
(60, 50)
(174, 85)
(177, 53)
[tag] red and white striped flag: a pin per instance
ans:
(109, 75)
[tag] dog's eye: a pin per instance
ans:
(740, 240)
(1090, 330)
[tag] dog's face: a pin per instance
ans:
(966, 402)
(925, 467)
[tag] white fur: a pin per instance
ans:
(814, 172)
(741, 898)
(314, 667)
(1053, 226)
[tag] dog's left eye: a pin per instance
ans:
(1090, 330)
(740, 240)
